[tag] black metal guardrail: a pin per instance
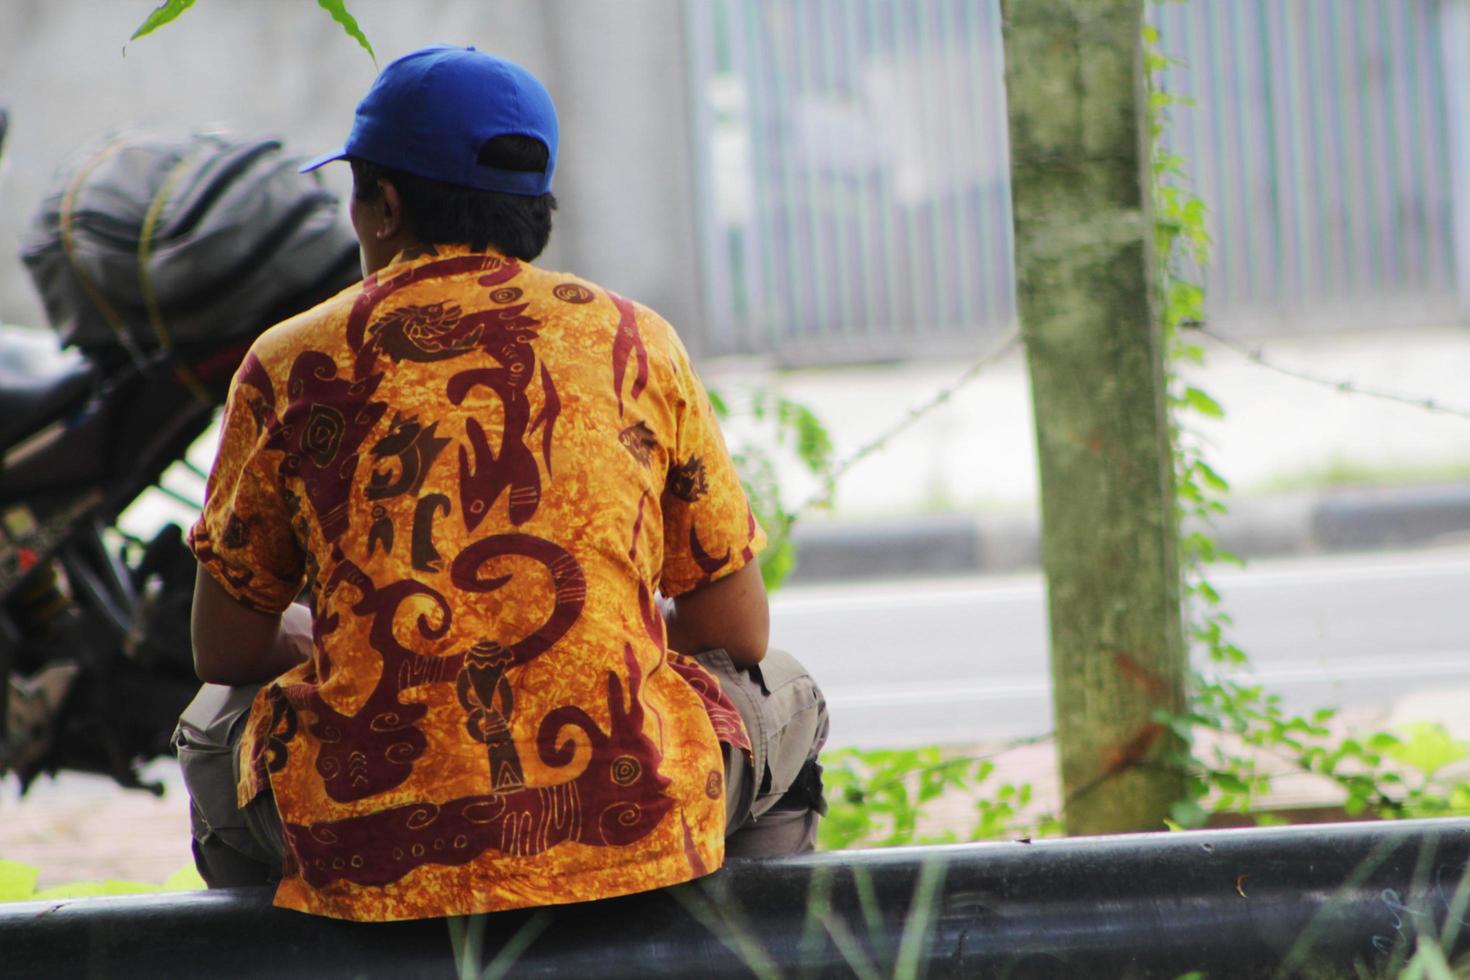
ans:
(1341, 900)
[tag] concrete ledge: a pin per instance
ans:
(938, 544)
(1328, 900)
(1379, 518)
(1320, 522)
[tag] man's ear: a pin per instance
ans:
(392, 225)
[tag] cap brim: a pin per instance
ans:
(338, 154)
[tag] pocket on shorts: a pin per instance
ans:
(209, 776)
(207, 759)
(793, 715)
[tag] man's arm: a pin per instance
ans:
(731, 613)
(234, 644)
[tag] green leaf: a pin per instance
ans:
(776, 563)
(1383, 741)
(73, 889)
(1231, 784)
(1187, 814)
(1212, 479)
(758, 405)
(1193, 353)
(161, 15)
(1429, 748)
(338, 10)
(95, 889)
(186, 879)
(1180, 725)
(717, 402)
(1188, 300)
(17, 881)
(1203, 403)
(813, 444)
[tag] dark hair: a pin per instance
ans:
(447, 214)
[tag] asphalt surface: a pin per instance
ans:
(958, 660)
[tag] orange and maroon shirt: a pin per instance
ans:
(486, 473)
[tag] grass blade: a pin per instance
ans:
(922, 910)
(456, 925)
(516, 946)
(849, 948)
(724, 922)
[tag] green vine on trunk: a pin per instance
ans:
(1232, 728)
(1384, 774)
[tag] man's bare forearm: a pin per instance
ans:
(731, 614)
(234, 644)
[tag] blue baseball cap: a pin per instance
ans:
(430, 112)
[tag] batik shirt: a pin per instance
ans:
(485, 473)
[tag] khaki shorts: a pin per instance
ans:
(772, 801)
(231, 846)
(786, 717)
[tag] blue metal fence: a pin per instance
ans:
(856, 174)
(1318, 142)
(853, 165)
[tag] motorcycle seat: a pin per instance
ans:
(39, 381)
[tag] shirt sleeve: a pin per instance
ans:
(244, 537)
(710, 530)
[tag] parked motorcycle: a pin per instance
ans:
(158, 261)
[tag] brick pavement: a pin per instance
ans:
(84, 828)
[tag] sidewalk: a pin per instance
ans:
(1313, 469)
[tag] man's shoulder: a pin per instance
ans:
(317, 328)
(577, 291)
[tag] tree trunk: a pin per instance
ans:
(1079, 163)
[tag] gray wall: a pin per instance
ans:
(282, 67)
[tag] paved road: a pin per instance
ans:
(964, 660)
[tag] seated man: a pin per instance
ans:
(488, 475)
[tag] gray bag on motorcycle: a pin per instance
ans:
(152, 242)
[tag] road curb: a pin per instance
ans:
(1299, 523)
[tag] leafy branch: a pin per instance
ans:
(795, 429)
(790, 429)
(880, 798)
